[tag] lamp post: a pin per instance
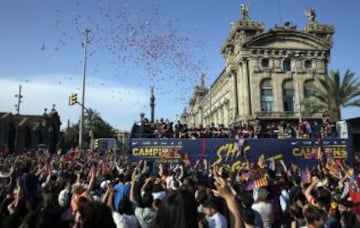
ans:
(19, 96)
(81, 127)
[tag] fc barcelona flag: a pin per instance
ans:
(261, 182)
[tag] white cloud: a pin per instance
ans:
(118, 105)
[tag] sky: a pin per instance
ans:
(136, 44)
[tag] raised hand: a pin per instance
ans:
(223, 189)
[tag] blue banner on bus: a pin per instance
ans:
(232, 152)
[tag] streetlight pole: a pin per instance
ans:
(81, 127)
(19, 96)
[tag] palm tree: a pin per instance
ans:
(100, 127)
(91, 117)
(336, 92)
(95, 127)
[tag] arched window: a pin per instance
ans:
(288, 96)
(267, 98)
(265, 63)
(287, 65)
(308, 64)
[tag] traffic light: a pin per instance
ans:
(96, 143)
(73, 99)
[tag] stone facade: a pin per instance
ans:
(19, 133)
(267, 75)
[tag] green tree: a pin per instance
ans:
(92, 121)
(336, 92)
(91, 118)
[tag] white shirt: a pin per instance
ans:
(265, 210)
(217, 221)
(159, 195)
(284, 199)
(169, 182)
(64, 197)
(125, 221)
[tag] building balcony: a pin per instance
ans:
(288, 115)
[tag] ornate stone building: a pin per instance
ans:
(267, 75)
(21, 132)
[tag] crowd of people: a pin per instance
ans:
(84, 189)
(324, 128)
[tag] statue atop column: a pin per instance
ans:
(311, 15)
(151, 91)
(245, 12)
(202, 81)
(152, 104)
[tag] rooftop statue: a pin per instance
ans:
(202, 80)
(245, 12)
(311, 15)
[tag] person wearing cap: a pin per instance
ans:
(212, 211)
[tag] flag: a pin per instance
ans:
(306, 175)
(261, 182)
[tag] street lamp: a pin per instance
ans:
(19, 96)
(81, 127)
